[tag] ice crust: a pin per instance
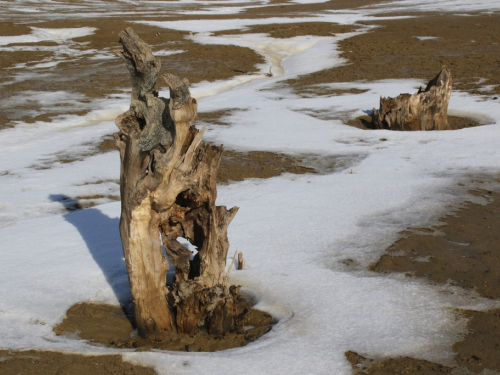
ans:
(295, 231)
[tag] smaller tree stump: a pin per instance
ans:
(425, 110)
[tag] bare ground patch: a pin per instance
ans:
(401, 365)
(463, 251)
(469, 45)
(456, 123)
(283, 31)
(35, 362)
(95, 72)
(213, 118)
(291, 9)
(234, 166)
(108, 325)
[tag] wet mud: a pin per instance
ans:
(234, 166)
(110, 326)
(400, 365)
(36, 362)
(102, 73)
(468, 44)
(456, 123)
(463, 251)
(283, 31)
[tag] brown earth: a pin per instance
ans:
(234, 166)
(283, 31)
(463, 251)
(281, 8)
(400, 366)
(479, 349)
(36, 362)
(238, 166)
(108, 325)
(365, 122)
(98, 78)
(469, 45)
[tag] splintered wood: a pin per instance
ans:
(425, 110)
(168, 190)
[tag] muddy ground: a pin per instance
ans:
(34, 362)
(463, 251)
(110, 326)
(468, 44)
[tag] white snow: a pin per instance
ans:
(422, 38)
(309, 1)
(53, 35)
(167, 52)
(295, 230)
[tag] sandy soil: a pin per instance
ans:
(463, 249)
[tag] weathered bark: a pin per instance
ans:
(425, 110)
(168, 190)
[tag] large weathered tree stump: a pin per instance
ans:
(425, 110)
(168, 190)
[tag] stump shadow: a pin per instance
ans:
(102, 237)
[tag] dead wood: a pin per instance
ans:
(425, 110)
(168, 190)
(241, 261)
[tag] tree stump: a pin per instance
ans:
(425, 110)
(168, 190)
